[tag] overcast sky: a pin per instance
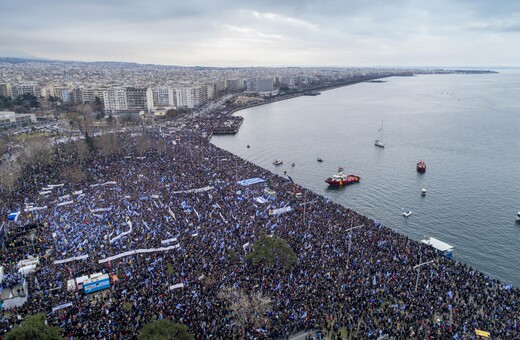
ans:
(266, 32)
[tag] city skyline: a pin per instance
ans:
(267, 33)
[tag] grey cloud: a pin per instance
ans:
(220, 30)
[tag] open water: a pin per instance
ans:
(465, 127)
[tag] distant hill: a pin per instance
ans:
(16, 54)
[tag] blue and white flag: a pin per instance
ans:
(13, 216)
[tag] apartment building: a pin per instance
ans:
(5, 90)
(125, 99)
(160, 98)
(21, 89)
(115, 100)
(89, 94)
(136, 98)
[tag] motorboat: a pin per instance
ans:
(407, 213)
(423, 191)
(518, 217)
(293, 165)
(340, 169)
(278, 162)
(443, 247)
(421, 167)
(379, 142)
(319, 160)
(341, 179)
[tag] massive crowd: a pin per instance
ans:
(187, 195)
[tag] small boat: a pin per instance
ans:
(423, 191)
(319, 160)
(421, 167)
(248, 146)
(278, 162)
(340, 169)
(340, 179)
(443, 247)
(407, 213)
(293, 165)
(379, 142)
(518, 217)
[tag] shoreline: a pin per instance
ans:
(316, 88)
(515, 284)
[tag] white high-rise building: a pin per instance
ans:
(115, 100)
(160, 97)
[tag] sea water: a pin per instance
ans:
(466, 127)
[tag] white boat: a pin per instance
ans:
(379, 142)
(278, 162)
(441, 246)
(518, 217)
(407, 213)
(423, 191)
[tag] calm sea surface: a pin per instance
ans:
(465, 127)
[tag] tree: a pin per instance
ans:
(164, 330)
(249, 309)
(98, 106)
(90, 143)
(272, 252)
(108, 145)
(143, 145)
(39, 151)
(73, 174)
(3, 146)
(74, 119)
(171, 114)
(161, 146)
(34, 328)
(83, 148)
(10, 172)
(6, 103)
(27, 100)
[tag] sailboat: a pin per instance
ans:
(379, 142)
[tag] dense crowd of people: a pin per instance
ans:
(188, 195)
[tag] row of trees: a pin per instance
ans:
(35, 156)
(34, 327)
(22, 104)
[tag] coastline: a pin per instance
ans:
(314, 88)
(411, 232)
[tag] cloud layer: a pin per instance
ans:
(268, 32)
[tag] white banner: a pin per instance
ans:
(55, 185)
(123, 233)
(207, 188)
(100, 209)
(64, 305)
(34, 208)
(138, 251)
(64, 203)
(175, 286)
(170, 240)
(70, 259)
(279, 211)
